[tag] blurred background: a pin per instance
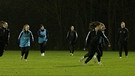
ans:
(58, 15)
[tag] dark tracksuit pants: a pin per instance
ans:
(123, 45)
(100, 47)
(42, 47)
(24, 51)
(2, 46)
(91, 51)
(71, 47)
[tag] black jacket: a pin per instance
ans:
(4, 35)
(93, 38)
(72, 36)
(123, 34)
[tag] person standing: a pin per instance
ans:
(25, 38)
(72, 38)
(42, 39)
(4, 36)
(123, 35)
(92, 43)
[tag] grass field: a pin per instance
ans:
(59, 63)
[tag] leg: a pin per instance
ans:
(99, 54)
(22, 51)
(26, 52)
(1, 51)
(2, 46)
(41, 48)
(126, 49)
(71, 48)
(44, 45)
(100, 49)
(91, 54)
(120, 49)
(85, 56)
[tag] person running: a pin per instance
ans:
(42, 39)
(25, 38)
(4, 36)
(102, 41)
(92, 43)
(72, 38)
(123, 35)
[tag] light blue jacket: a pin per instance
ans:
(25, 38)
(42, 36)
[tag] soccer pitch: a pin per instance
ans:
(60, 63)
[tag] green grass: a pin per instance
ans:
(59, 63)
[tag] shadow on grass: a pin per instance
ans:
(75, 65)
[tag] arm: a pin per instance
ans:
(31, 36)
(8, 37)
(76, 36)
(47, 35)
(18, 42)
(106, 39)
(20, 36)
(67, 35)
(87, 39)
(127, 34)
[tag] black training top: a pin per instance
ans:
(72, 36)
(93, 37)
(123, 34)
(4, 35)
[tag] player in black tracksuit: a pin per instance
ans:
(4, 36)
(72, 37)
(102, 41)
(92, 42)
(123, 35)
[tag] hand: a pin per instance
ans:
(109, 45)
(84, 49)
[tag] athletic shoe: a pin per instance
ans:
(99, 63)
(43, 54)
(71, 54)
(84, 64)
(95, 58)
(21, 57)
(81, 59)
(26, 60)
